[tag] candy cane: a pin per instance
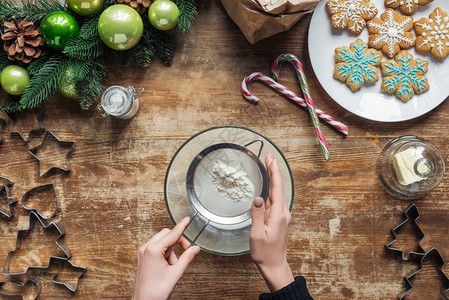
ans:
(291, 95)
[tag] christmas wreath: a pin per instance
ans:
(50, 46)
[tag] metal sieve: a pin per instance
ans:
(207, 202)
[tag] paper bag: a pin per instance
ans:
(259, 19)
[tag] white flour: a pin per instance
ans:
(232, 183)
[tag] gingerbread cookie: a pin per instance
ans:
(407, 7)
(351, 14)
(405, 76)
(357, 64)
(433, 34)
(391, 33)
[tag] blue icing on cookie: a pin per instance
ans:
(359, 63)
(403, 75)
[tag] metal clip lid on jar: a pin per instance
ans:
(120, 102)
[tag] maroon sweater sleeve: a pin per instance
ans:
(297, 290)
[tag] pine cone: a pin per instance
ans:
(140, 5)
(23, 41)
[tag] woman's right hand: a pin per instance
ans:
(269, 231)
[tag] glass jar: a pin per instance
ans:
(120, 102)
(425, 167)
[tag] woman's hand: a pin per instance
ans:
(269, 231)
(158, 268)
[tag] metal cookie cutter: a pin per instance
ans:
(10, 201)
(437, 256)
(25, 197)
(28, 290)
(44, 140)
(33, 132)
(59, 241)
(410, 214)
(72, 288)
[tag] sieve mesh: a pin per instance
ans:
(208, 195)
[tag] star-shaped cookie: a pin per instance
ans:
(433, 34)
(391, 33)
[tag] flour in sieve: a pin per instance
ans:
(232, 183)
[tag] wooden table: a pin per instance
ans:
(112, 201)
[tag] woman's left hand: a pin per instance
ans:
(158, 268)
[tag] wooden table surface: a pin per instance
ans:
(112, 200)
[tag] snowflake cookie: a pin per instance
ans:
(407, 7)
(357, 64)
(433, 34)
(351, 14)
(391, 33)
(405, 76)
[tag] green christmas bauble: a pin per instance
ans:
(86, 7)
(58, 28)
(67, 84)
(163, 14)
(120, 27)
(14, 80)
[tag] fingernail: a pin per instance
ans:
(270, 156)
(186, 218)
(276, 161)
(258, 202)
(196, 250)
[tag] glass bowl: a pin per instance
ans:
(428, 167)
(215, 239)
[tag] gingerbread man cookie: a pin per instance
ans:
(351, 14)
(391, 33)
(407, 7)
(357, 64)
(433, 34)
(405, 76)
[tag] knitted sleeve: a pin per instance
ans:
(297, 290)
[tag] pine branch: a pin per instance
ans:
(34, 10)
(89, 28)
(90, 87)
(38, 63)
(187, 12)
(79, 48)
(45, 82)
(143, 55)
(160, 43)
(80, 68)
(10, 104)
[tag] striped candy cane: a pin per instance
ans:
(289, 94)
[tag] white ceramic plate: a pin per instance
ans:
(370, 102)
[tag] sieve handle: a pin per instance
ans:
(255, 141)
(201, 230)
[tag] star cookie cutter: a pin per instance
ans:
(38, 188)
(59, 241)
(444, 288)
(33, 132)
(4, 192)
(67, 284)
(410, 214)
(22, 288)
(4, 181)
(44, 140)
(2, 130)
